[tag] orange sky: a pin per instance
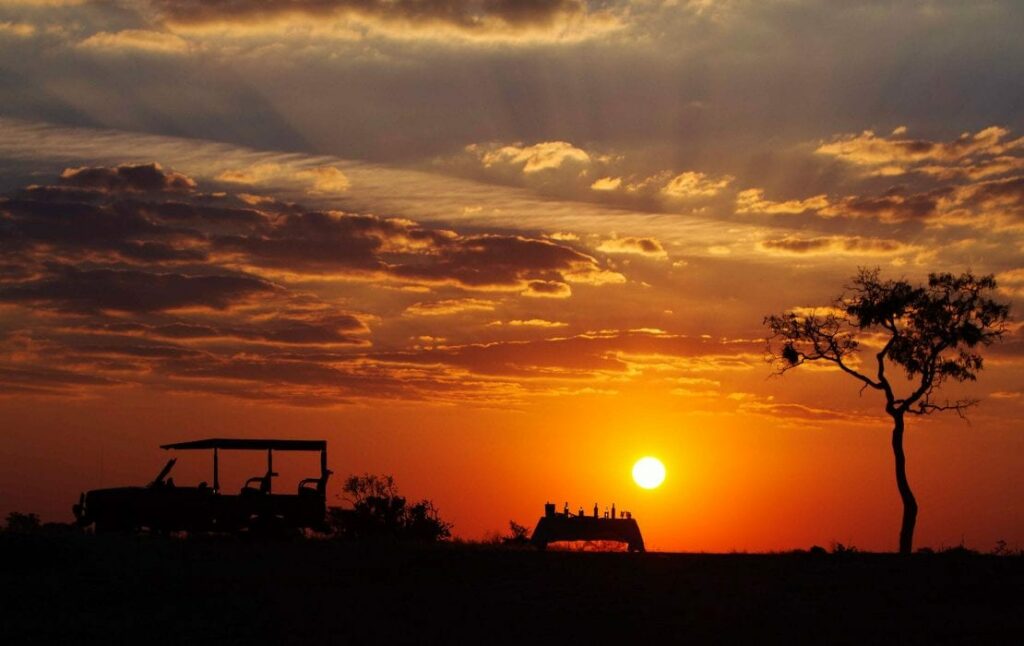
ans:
(504, 250)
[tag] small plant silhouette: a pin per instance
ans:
(378, 511)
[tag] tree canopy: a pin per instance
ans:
(933, 333)
(378, 511)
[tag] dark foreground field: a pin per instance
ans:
(144, 590)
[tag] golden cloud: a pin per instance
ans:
(546, 155)
(753, 201)
(450, 306)
(136, 39)
(450, 21)
(693, 184)
(897, 154)
(632, 245)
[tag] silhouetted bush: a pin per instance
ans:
(517, 534)
(19, 523)
(379, 512)
(839, 548)
(958, 550)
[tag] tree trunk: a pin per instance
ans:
(909, 503)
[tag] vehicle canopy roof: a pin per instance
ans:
(249, 445)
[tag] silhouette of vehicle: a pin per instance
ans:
(162, 506)
(554, 527)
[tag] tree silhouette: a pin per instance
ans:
(932, 333)
(378, 511)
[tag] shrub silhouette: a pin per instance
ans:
(19, 523)
(517, 534)
(379, 512)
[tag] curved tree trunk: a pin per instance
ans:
(909, 503)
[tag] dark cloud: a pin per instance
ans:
(143, 351)
(546, 289)
(1005, 193)
(894, 205)
(128, 178)
(75, 290)
(175, 212)
(320, 330)
(832, 244)
(159, 232)
(324, 241)
(498, 260)
(30, 376)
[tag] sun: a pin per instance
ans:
(649, 472)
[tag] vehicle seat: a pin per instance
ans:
(264, 483)
(314, 486)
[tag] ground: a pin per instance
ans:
(86, 589)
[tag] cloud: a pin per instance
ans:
(633, 245)
(802, 412)
(128, 178)
(92, 290)
(506, 261)
(848, 245)
(325, 179)
(318, 328)
(753, 201)
(895, 205)
(547, 289)
(98, 215)
(692, 184)
(143, 40)
(986, 153)
(39, 380)
(546, 155)
(450, 306)
(537, 323)
(17, 29)
(253, 174)
(487, 20)
(1011, 282)
(606, 184)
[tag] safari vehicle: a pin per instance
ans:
(164, 507)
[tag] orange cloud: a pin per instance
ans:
(753, 201)
(633, 245)
(692, 184)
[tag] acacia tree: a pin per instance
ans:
(932, 333)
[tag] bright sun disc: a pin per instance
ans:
(649, 472)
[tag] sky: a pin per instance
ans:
(502, 249)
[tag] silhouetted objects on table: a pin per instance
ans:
(162, 506)
(553, 527)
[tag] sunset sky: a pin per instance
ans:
(502, 249)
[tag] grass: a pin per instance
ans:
(86, 589)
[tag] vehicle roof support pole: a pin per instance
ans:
(216, 472)
(270, 469)
(323, 462)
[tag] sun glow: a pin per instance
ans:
(649, 472)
